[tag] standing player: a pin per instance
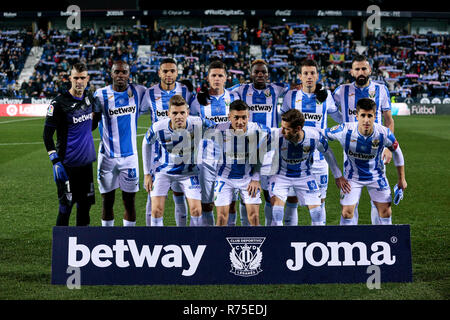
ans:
(118, 106)
(363, 143)
(346, 97)
(213, 105)
(315, 108)
(240, 163)
(70, 115)
(262, 99)
(296, 151)
(178, 137)
(159, 96)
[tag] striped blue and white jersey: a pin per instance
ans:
(218, 108)
(159, 100)
(240, 155)
(363, 155)
(120, 112)
(178, 147)
(295, 160)
(347, 95)
(263, 104)
(315, 114)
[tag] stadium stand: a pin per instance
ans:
(411, 65)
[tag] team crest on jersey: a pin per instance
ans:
(375, 143)
(267, 93)
(246, 255)
(371, 94)
(306, 149)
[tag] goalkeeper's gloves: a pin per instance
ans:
(203, 95)
(188, 84)
(321, 93)
(398, 195)
(59, 173)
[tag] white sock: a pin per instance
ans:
(243, 214)
(196, 221)
(277, 215)
(208, 218)
(232, 219)
(324, 214)
(291, 214)
(127, 223)
(157, 222)
(347, 222)
(268, 213)
(374, 216)
(148, 212)
(316, 216)
(108, 223)
(180, 210)
(385, 220)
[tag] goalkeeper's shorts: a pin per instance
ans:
(81, 186)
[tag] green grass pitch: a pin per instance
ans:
(28, 209)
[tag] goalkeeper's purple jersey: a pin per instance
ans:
(72, 118)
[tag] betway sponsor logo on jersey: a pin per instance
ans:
(260, 107)
(294, 161)
(313, 116)
(82, 118)
(378, 253)
(126, 254)
(362, 156)
(162, 113)
(352, 112)
(122, 111)
(218, 119)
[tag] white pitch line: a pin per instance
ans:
(42, 142)
(10, 121)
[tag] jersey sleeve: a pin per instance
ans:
(322, 143)
(286, 102)
(150, 136)
(335, 133)
(390, 142)
(145, 102)
(385, 99)
(337, 96)
(194, 109)
(51, 118)
(97, 105)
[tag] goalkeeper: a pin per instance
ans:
(70, 116)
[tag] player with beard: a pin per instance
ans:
(346, 97)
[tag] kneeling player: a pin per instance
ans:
(239, 168)
(363, 143)
(296, 150)
(177, 138)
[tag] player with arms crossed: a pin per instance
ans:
(70, 115)
(178, 137)
(296, 150)
(363, 143)
(315, 104)
(118, 106)
(213, 105)
(346, 97)
(239, 147)
(159, 96)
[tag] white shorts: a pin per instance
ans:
(113, 173)
(379, 191)
(225, 191)
(189, 185)
(306, 189)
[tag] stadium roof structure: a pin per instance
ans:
(283, 13)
